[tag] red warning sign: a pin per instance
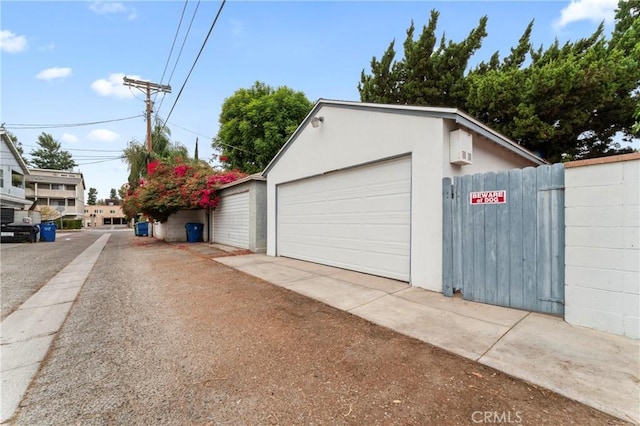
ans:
(488, 197)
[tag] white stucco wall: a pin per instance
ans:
(354, 136)
(603, 244)
(173, 230)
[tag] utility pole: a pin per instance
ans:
(147, 87)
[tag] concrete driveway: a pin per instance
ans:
(598, 369)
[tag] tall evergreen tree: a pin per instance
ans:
(50, 156)
(575, 100)
(92, 196)
(428, 74)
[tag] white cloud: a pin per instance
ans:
(68, 137)
(12, 43)
(114, 86)
(106, 7)
(103, 135)
(592, 10)
(52, 73)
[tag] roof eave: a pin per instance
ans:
(15, 152)
(454, 114)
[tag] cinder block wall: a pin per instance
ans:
(173, 230)
(602, 266)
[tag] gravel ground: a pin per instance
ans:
(25, 267)
(162, 334)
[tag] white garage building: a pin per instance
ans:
(359, 186)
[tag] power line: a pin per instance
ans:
(22, 126)
(79, 149)
(175, 38)
(209, 137)
(196, 60)
(175, 65)
(147, 87)
(99, 161)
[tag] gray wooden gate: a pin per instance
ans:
(506, 248)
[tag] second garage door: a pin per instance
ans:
(231, 221)
(358, 219)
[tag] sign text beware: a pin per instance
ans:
(488, 197)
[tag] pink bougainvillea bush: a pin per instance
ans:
(168, 188)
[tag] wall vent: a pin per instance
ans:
(460, 147)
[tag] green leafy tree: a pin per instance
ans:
(566, 101)
(255, 123)
(50, 155)
(113, 194)
(92, 196)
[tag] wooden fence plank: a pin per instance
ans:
(529, 231)
(477, 211)
(447, 255)
(543, 239)
(457, 237)
(467, 235)
(503, 252)
(558, 238)
(516, 279)
(490, 243)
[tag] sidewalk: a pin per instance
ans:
(595, 368)
(27, 333)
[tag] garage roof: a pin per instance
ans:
(454, 114)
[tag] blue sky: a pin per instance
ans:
(63, 62)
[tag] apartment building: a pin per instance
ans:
(108, 214)
(61, 190)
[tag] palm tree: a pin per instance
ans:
(137, 157)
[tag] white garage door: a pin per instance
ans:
(231, 221)
(356, 219)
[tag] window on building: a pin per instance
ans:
(71, 202)
(70, 187)
(57, 186)
(17, 179)
(112, 211)
(86, 210)
(1, 178)
(57, 203)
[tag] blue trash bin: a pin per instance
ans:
(194, 232)
(48, 232)
(142, 229)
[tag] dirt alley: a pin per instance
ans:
(163, 334)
